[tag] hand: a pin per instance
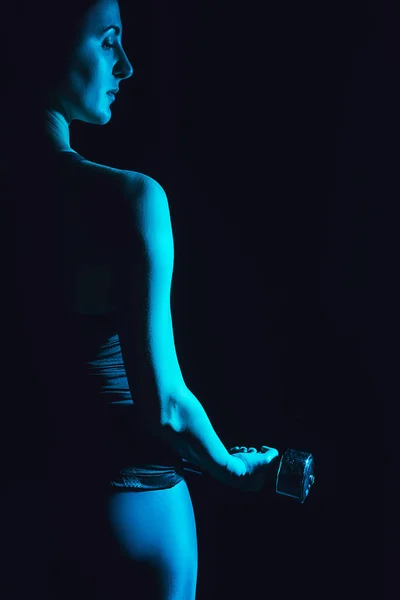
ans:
(258, 467)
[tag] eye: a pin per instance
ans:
(106, 44)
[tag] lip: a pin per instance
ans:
(111, 94)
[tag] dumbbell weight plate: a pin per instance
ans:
(295, 475)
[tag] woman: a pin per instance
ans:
(120, 513)
(149, 533)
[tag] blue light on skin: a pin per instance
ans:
(98, 64)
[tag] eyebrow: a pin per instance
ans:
(117, 29)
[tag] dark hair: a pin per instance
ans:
(41, 35)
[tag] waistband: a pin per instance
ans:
(146, 478)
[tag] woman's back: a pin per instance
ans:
(75, 203)
(71, 244)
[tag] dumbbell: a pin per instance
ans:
(294, 473)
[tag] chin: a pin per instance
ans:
(104, 119)
(100, 118)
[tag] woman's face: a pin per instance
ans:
(97, 65)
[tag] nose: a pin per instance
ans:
(124, 69)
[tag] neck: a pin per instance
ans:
(31, 125)
(56, 130)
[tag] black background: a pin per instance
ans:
(263, 123)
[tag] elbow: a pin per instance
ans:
(171, 412)
(174, 415)
(179, 409)
(166, 414)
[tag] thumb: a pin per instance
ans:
(269, 453)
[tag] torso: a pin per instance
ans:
(90, 277)
(88, 195)
(90, 286)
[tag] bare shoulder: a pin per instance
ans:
(121, 179)
(146, 201)
(140, 187)
(133, 186)
(139, 202)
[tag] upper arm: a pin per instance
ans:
(144, 315)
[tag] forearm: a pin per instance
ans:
(193, 437)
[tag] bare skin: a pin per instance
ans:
(97, 66)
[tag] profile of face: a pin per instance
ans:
(97, 65)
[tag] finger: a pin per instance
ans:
(271, 454)
(234, 449)
(251, 449)
(243, 449)
(265, 448)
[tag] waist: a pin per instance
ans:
(146, 477)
